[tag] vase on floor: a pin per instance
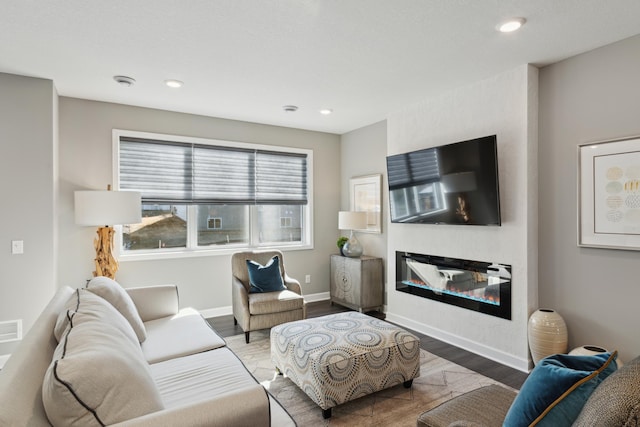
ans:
(587, 350)
(547, 334)
(590, 350)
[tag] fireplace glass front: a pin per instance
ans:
(480, 286)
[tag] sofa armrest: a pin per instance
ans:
(154, 302)
(292, 284)
(248, 406)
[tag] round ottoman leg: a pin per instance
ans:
(326, 413)
(407, 384)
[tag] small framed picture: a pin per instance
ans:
(609, 194)
(365, 196)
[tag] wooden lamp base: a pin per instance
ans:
(106, 264)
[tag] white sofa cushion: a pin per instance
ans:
(155, 302)
(180, 335)
(98, 375)
(111, 290)
(185, 380)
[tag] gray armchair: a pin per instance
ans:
(254, 311)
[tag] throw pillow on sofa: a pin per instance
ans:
(111, 290)
(265, 278)
(616, 402)
(90, 304)
(558, 387)
(98, 375)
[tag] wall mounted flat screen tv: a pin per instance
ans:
(450, 184)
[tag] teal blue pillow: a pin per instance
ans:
(558, 387)
(265, 278)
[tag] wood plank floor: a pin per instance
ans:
(506, 375)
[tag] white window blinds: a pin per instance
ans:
(173, 172)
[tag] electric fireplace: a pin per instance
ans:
(480, 286)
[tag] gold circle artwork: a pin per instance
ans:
(615, 216)
(632, 201)
(614, 173)
(614, 202)
(632, 186)
(613, 187)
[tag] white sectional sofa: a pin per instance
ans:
(103, 356)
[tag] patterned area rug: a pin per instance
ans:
(439, 381)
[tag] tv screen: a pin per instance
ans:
(450, 184)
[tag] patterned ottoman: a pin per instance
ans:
(340, 357)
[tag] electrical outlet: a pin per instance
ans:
(17, 247)
(307, 278)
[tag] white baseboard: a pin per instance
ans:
(472, 346)
(321, 296)
(208, 313)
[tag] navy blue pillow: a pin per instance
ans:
(557, 389)
(265, 278)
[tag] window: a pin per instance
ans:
(203, 194)
(214, 223)
(285, 222)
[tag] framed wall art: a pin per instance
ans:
(609, 194)
(365, 197)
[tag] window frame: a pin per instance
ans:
(191, 249)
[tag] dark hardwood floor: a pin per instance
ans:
(506, 375)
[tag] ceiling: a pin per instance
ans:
(246, 59)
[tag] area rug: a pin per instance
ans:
(439, 381)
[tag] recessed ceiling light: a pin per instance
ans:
(512, 24)
(290, 108)
(124, 80)
(173, 83)
(326, 111)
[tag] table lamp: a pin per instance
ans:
(104, 209)
(348, 220)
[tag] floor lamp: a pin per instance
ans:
(105, 209)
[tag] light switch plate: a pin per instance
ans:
(17, 247)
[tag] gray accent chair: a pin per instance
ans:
(255, 311)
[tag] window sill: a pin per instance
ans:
(194, 253)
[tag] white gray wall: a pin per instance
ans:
(204, 282)
(590, 97)
(363, 152)
(505, 105)
(28, 145)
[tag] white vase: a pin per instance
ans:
(547, 333)
(587, 350)
(590, 350)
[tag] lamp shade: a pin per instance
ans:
(348, 220)
(100, 208)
